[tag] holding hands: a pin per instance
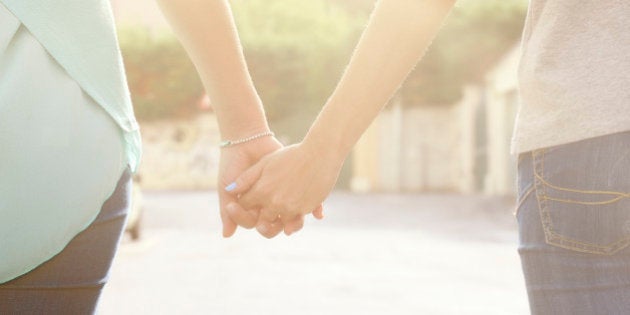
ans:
(276, 192)
(270, 187)
(234, 161)
(282, 187)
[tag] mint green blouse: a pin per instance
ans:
(67, 129)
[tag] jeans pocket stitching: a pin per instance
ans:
(619, 194)
(521, 200)
(551, 236)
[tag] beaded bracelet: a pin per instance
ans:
(229, 143)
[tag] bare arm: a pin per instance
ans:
(397, 36)
(206, 30)
(296, 179)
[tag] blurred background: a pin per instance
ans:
(421, 220)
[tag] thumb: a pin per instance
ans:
(245, 181)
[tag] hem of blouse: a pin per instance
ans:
(65, 240)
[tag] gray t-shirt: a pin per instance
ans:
(574, 75)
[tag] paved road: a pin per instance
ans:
(373, 254)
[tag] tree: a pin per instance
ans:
(295, 49)
(473, 38)
(161, 77)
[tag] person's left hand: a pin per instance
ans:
(234, 161)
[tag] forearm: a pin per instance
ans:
(206, 30)
(397, 35)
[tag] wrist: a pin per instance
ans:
(254, 148)
(325, 145)
(329, 134)
(242, 127)
(256, 136)
(240, 116)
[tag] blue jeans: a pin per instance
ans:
(71, 282)
(574, 222)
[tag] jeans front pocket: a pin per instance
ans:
(583, 194)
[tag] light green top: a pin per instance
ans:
(80, 35)
(67, 129)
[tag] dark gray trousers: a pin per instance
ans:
(72, 281)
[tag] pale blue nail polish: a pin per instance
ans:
(230, 187)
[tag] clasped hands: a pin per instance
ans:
(269, 187)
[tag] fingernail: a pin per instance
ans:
(262, 228)
(230, 187)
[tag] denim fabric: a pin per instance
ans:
(574, 222)
(71, 282)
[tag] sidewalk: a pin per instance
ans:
(373, 254)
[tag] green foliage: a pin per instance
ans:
(474, 37)
(162, 80)
(296, 50)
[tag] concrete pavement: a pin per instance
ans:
(373, 254)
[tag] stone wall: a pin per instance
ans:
(180, 154)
